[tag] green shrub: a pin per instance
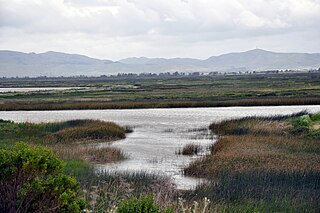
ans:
(314, 134)
(302, 121)
(31, 180)
(315, 117)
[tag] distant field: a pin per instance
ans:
(200, 91)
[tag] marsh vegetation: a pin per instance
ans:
(263, 164)
(266, 164)
(189, 149)
(67, 138)
(198, 91)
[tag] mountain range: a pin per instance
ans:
(13, 63)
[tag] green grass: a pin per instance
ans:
(105, 189)
(249, 206)
(88, 153)
(76, 167)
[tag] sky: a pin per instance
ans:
(116, 29)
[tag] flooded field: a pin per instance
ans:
(158, 133)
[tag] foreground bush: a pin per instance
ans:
(307, 125)
(31, 180)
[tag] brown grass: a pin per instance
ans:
(158, 104)
(90, 130)
(253, 126)
(245, 153)
(89, 153)
(253, 144)
(316, 126)
(190, 149)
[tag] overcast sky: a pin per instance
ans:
(115, 29)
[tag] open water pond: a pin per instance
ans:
(158, 134)
(37, 89)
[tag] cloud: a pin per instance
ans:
(106, 28)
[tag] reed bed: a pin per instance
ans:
(239, 154)
(159, 104)
(189, 149)
(105, 189)
(254, 125)
(105, 132)
(94, 155)
(262, 164)
(261, 192)
(67, 132)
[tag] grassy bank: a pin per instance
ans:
(67, 132)
(265, 164)
(66, 138)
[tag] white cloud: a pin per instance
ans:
(195, 28)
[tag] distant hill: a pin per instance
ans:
(50, 63)
(264, 60)
(160, 61)
(20, 64)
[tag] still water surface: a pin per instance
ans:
(158, 133)
(34, 89)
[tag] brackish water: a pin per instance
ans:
(34, 89)
(158, 133)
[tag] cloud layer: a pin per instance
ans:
(159, 28)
